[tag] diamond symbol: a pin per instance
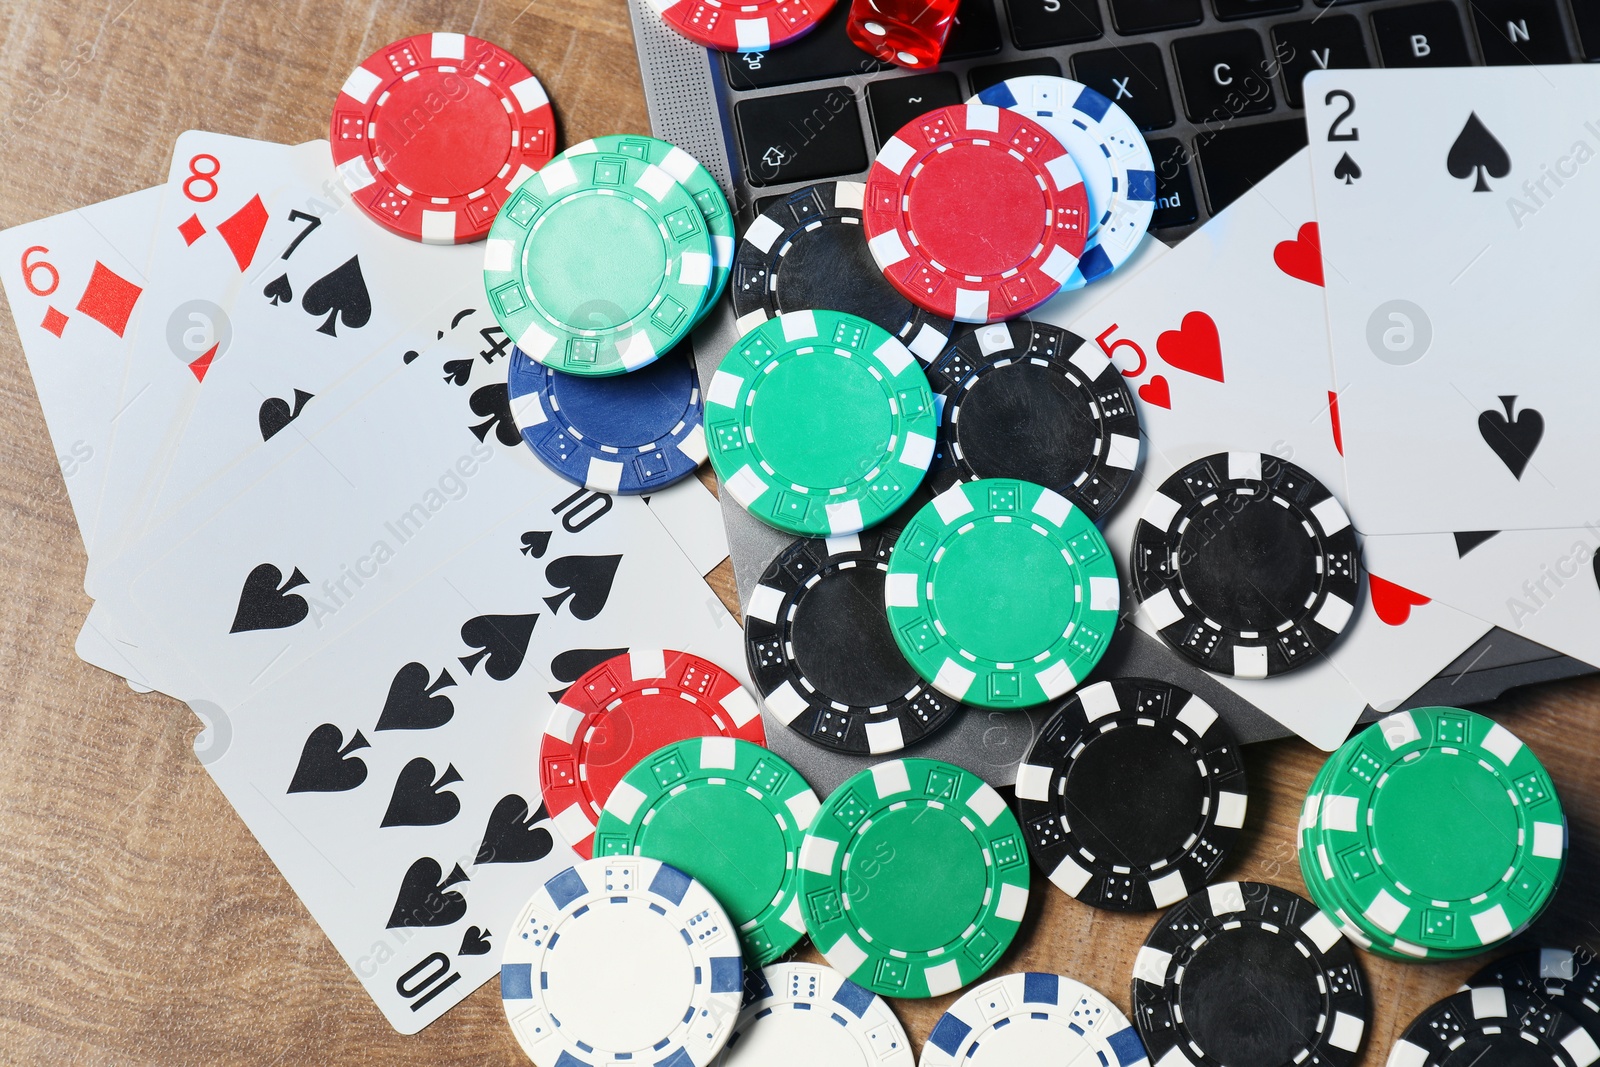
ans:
(54, 321)
(192, 229)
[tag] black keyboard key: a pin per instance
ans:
(825, 52)
(1134, 78)
(1247, 9)
(802, 137)
(894, 102)
(1175, 205)
(1223, 76)
(1332, 42)
(980, 78)
(1586, 16)
(1424, 35)
(1521, 31)
(1142, 16)
(1043, 23)
(1236, 157)
(976, 31)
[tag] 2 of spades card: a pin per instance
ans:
(1458, 216)
(1223, 341)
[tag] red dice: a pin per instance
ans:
(907, 33)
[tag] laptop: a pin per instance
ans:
(1214, 85)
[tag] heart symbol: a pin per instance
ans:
(1393, 603)
(1302, 257)
(1193, 346)
(1156, 392)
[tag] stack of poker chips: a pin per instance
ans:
(1433, 834)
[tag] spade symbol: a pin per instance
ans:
(424, 900)
(326, 765)
(418, 800)
(493, 402)
(474, 942)
(264, 605)
(412, 703)
(586, 579)
(534, 542)
(1468, 540)
(571, 665)
(457, 371)
(514, 836)
(410, 355)
(1476, 152)
(1346, 170)
(279, 291)
(1513, 439)
(502, 638)
(341, 294)
(275, 413)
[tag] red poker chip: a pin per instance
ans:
(753, 27)
(976, 213)
(622, 710)
(432, 133)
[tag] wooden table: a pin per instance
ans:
(140, 922)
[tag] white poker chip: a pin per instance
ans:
(1118, 170)
(1033, 1018)
(622, 959)
(805, 1015)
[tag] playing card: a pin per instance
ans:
(1456, 214)
(75, 283)
(213, 231)
(1225, 338)
(690, 513)
(338, 289)
(393, 777)
(365, 499)
(1540, 584)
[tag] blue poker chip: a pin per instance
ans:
(632, 433)
(1117, 167)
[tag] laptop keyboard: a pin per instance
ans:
(1215, 84)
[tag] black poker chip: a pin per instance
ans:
(1246, 564)
(1025, 399)
(807, 252)
(1559, 976)
(1132, 794)
(1506, 1027)
(1245, 974)
(822, 655)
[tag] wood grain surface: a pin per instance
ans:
(139, 921)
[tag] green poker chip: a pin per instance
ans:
(1436, 832)
(598, 264)
(697, 181)
(732, 815)
(1001, 593)
(820, 423)
(913, 878)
